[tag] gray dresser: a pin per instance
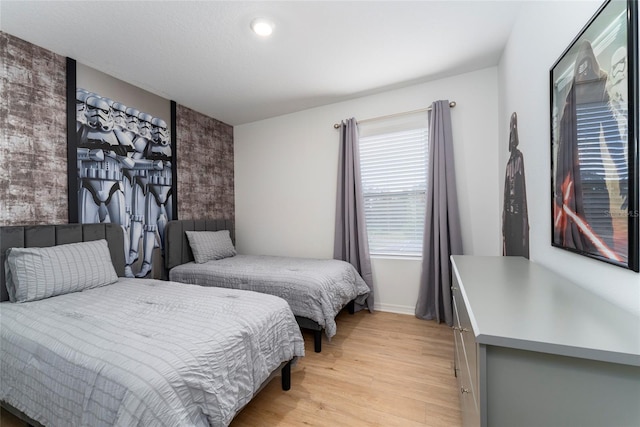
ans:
(534, 349)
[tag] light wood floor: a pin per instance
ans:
(381, 369)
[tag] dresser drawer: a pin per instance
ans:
(466, 362)
(470, 347)
(462, 325)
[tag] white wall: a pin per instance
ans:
(132, 96)
(286, 169)
(538, 39)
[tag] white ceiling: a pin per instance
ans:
(202, 54)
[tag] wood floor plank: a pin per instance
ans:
(381, 369)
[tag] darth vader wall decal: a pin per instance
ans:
(515, 221)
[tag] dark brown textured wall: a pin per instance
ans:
(33, 145)
(205, 166)
(33, 138)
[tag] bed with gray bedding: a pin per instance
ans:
(137, 351)
(316, 289)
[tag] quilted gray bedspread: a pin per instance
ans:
(143, 353)
(314, 288)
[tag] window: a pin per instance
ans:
(393, 159)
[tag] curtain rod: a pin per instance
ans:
(388, 116)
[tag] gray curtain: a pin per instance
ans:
(442, 236)
(350, 240)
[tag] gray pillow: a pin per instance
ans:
(210, 245)
(38, 273)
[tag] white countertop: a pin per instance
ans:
(516, 303)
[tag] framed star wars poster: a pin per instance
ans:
(594, 145)
(121, 161)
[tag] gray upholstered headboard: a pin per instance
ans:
(176, 246)
(19, 236)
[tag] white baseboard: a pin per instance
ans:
(394, 308)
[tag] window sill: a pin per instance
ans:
(398, 257)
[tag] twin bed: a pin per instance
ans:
(81, 345)
(201, 252)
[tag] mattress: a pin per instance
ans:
(314, 288)
(142, 352)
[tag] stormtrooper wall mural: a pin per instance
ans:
(125, 174)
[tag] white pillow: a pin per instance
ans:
(37, 273)
(210, 245)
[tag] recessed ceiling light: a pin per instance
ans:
(262, 27)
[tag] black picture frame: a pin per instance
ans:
(154, 161)
(594, 141)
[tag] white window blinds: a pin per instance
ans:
(394, 182)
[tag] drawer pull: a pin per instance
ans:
(464, 390)
(455, 328)
(464, 330)
(453, 288)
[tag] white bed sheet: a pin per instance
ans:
(142, 353)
